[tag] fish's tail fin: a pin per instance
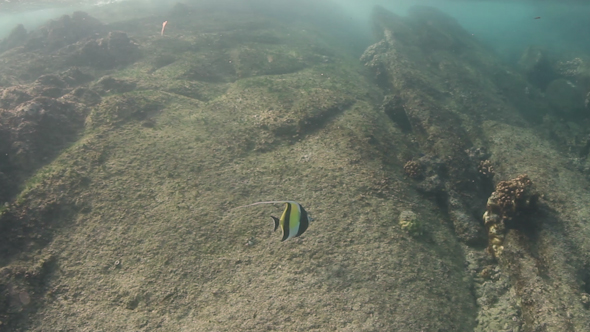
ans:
(276, 220)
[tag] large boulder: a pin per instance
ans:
(566, 98)
(113, 50)
(537, 65)
(16, 37)
(64, 31)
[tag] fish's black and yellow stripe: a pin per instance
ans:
(293, 222)
(286, 219)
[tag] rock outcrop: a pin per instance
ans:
(457, 100)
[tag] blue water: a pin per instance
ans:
(29, 18)
(508, 27)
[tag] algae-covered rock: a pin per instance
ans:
(115, 49)
(409, 222)
(118, 109)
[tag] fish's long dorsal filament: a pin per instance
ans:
(260, 203)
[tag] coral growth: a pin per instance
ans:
(485, 168)
(513, 195)
(408, 221)
(509, 199)
(413, 169)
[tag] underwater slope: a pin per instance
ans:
(122, 218)
(130, 228)
(475, 116)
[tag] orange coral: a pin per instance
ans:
(509, 198)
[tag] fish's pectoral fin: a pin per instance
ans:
(276, 220)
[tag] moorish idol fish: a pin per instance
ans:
(294, 220)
